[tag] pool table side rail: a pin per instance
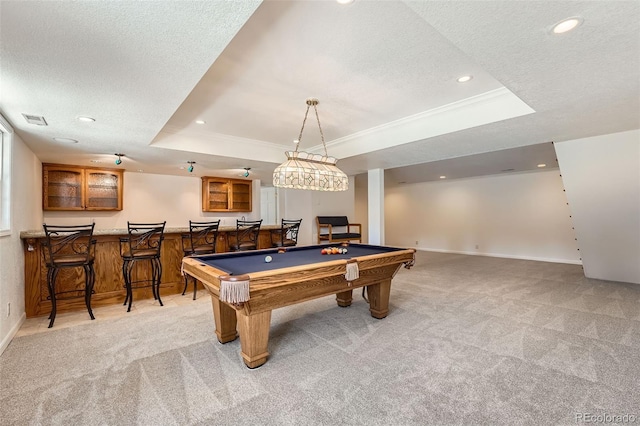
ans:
(274, 289)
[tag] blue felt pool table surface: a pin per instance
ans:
(246, 262)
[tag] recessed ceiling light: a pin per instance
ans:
(345, 1)
(443, 177)
(96, 161)
(65, 140)
(87, 119)
(141, 171)
(201, 122)
(566, 25)
(464, 78)
(542, 165)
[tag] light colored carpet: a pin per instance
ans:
(469, 340)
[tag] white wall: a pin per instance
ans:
(306, 205)
(156, 198)
(602, 177)
(26, 213)
(298, 204)
(521, 215)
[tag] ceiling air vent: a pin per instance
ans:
(35, 119)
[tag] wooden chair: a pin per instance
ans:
(334, 229)
(287, 235)
(246, 235)
(69, 247)
(143, 243)
(201, 239)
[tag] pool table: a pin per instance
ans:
(293, 275)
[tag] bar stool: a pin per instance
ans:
(201, 239)
(287, 235)
(69, 247)
(143, 242)
(247, 232)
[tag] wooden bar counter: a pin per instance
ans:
(109, 286)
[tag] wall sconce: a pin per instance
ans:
(246, 171)
(191, 163)
(119, 159)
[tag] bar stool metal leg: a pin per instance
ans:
(126, 271)
(157, 269)
(88, 287)
(186, 284)
(52, 275)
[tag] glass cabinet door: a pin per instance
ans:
(217, 196)
(62, 189)
(103, 190)
(241, 196)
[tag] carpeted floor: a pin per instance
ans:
(469, 340)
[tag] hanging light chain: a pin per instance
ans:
(310, 102)
(315, 107)
(302, 129)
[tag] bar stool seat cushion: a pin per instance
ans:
(201, 250)
(142, 253)
(72, 260)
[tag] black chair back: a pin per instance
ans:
(144, 239)
(201, 238)
(287, 235)
(68, 245)
(247, 232)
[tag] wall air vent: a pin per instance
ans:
(35, 119)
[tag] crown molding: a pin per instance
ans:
(489, 107)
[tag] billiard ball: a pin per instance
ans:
(323, 251)
(344, 251)
(268, 259)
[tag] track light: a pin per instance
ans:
(119, 159)
(246, 171)
(191, 163)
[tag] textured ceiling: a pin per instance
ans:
(385, 74)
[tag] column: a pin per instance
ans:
(376, 206)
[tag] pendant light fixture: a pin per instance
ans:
(315, 172)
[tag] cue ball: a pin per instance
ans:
(268, 259)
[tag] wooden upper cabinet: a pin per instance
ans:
(226, 195)
(67, 187)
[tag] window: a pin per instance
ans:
(6, 132)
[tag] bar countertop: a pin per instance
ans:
(39, 233)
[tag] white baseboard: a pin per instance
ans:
(9, 337)
(505, 256)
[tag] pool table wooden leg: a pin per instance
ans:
(379, 298)
(225, 318)
(344, 299)
(254, 337)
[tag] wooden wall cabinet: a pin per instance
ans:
(226, 195)
(67, 187)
